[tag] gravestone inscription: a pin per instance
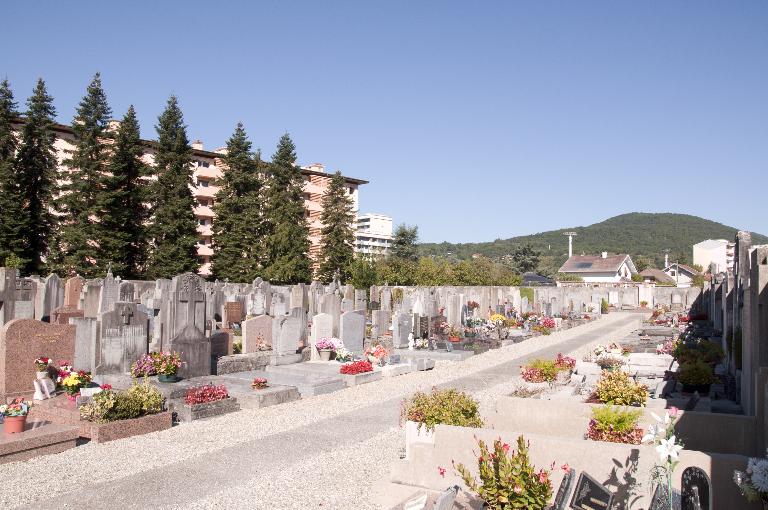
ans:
(591, 494)
(696, 492)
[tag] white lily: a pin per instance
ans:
(650, 435)
(668, 450)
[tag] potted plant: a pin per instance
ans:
(167, 365)
(696, 376)
(753, 483)
(15, 415)
(453, 333)
(343, 355)
(74, 381)
(326, 347)
(507, 478)
(609, 361)
(259, 383)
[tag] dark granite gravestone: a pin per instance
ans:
(591, 494)
(566, 486)
(696, 492)
(446, 498)
(692, 402)
(660, 499)
(374, 305)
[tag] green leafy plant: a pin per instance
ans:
(138, 400)
(507, 478)
(697, 373)
(540, 370)
(603, 306)
(615, 425)
(616, 387)
(447, 407)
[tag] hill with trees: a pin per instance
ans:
(644, 236)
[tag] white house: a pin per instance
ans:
(717, 251)
(681, 274)
(601, 268)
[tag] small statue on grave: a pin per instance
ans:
(44, 386)
(411, 341)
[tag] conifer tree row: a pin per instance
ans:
(77, 204)
(11, 216)
(338, 236)
(238, 224)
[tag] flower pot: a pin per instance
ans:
(325, 354)
(72, 396)
(454, 339)
(703, 389)
(167, 378)
(14, 424)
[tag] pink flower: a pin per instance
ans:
(542, 476)
(106, 386)
(517, 489)
(441, 470)
(565, 467)
(505, 447)
(673, 412)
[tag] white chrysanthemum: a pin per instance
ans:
(760, 475)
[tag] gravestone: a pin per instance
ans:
(195, 351)
(591, 494)
(352, 331)
(23, 340)
(566, 486)
(52, 297)
(524, 305)
(110, 293)
(446, 498)
(299, 297)
(386, 299)
(124, 338)
(86, 343)
(692, 402)
(278, 306)
(380, 319)
(233, 312)
(660, 500)
(126, 292)
(696, 489)
(401, 328)
(322, 327)
(221, 345)
(331, 304)
(185, 306)
(347, 305)
(289, 335)
(72, 289)
(677, 301)
(91, 296)
(361, 303)
(257, 333)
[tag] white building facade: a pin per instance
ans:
(374, 234)
(601, 268)
(717, 251)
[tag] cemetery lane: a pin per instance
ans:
(324, 451)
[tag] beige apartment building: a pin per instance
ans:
(207, 166)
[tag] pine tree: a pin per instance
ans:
(287, 239)
(404, 243)
(11, 216)
(174, 228)
(77, 204)
(36, 168)
(237, 227)
(122, 229)
(338, 235)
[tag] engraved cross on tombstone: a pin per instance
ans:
(126, 313)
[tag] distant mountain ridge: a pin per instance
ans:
(639, 234)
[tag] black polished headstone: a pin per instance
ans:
(591, 494)
(660, 499)
(561, 499)
(696, 489)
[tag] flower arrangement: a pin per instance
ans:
(474, 322)
(154, 363)
(377, 352)
(343, 355)
(138, 400)
(610, 361)
(753, 483)
(617, 388)
(259, 383)
(497, 319)
(471, 305)
(542, 370)
(42, 363)
(356, 367)
(615, 425)
(548, 322)
(507, 478)
(452, 332)
(420, 343)
(65, 368)
(205, 393)
(328, 344)
(565, 362)
(667, 347)
(662, 434)
(447, 407)
(17, 407)
(76, 380)
(440, 326)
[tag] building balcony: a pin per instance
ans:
(205, 191)
(204, 250)
(202, 211)
(205, 230)
(212, 172)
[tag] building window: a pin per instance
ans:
(205, 164)
(204, 184)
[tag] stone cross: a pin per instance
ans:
(126, 313)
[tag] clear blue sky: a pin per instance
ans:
(474, 120)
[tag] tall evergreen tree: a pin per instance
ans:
(287, 234)
(11, 216)
(77, 204)
(122, 229)
(237, 227)
(174, 227)
(338, 235)
(36, 168)
(404, 242)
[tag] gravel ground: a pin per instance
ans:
(335, 477)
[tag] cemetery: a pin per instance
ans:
(87, 362)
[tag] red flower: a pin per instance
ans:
(106, 386)
(565, 467)
(505, 447)
(542, 476)
(441, 470)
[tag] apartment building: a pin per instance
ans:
(374, 234)
(207, 169)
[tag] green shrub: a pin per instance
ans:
(696, 373)
(139, 400)
(616, 387)
(507, 478)
(447, 407)
(237, 347)
(540, 370)
(615, 418)
(604, 305)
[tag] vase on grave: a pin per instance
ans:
(14, 424)
(325, 354)
(167, 378)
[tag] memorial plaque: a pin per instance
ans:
(566, 486)
(696, 489)
(591, 494)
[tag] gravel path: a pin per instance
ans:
(321, 452)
